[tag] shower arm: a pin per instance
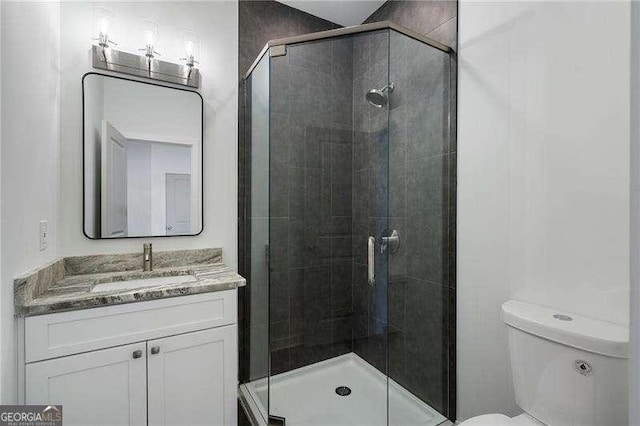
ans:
(388, 87)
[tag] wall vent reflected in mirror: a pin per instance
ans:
(142, 159)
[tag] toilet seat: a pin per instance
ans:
(502, 420)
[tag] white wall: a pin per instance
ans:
(634, 407)
(138, 188)
(543, 175)
(29, 153)
(2, 204)
(217, 25)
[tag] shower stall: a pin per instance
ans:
(349, 179)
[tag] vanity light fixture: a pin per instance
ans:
(149, 32)
(103, 26)
(146, 65)
(191, 48)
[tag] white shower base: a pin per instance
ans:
(306, 396)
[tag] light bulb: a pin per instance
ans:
(148, 37)
(102, 24)
(149, 33)
(191, 48)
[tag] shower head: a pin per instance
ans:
(378, 97)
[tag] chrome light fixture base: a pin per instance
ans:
(142, 66)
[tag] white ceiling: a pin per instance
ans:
(343, 12)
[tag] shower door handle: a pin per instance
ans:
(371, 260)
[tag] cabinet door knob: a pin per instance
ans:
(137, 354)
(155, 350)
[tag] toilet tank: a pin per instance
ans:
(568, 370)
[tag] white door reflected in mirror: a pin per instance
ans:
(178, 195)
(142, 159)
(113, 193)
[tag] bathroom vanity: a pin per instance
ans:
(118, 345)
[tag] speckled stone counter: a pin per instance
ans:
(66, 284)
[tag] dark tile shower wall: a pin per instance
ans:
(310, 203)
(259, 22)
(436, 19)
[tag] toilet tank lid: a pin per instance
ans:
(580, 332)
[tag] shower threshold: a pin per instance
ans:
(307, 396)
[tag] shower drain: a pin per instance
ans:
(343, 390)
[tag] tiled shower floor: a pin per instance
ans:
(306, 396)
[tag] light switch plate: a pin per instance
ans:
(44, 235)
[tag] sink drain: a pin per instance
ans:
(343, 390)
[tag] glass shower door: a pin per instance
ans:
(371, 213)
(256, 335)
(422, 209)
(328, 209)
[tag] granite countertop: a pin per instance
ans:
(67, 284)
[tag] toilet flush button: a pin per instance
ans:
(583, 367)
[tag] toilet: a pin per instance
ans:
(568, 370)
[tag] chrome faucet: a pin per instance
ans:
(147, 257)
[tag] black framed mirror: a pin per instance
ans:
(142, 159)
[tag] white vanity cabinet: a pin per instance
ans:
(105, 387)
(192, 379)
(169, 361)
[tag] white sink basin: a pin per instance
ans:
(147, 282)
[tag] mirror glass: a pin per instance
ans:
(142, 159)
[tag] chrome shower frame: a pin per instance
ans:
(281, 43)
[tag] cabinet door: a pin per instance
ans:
(192, 378)
(106, 387)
